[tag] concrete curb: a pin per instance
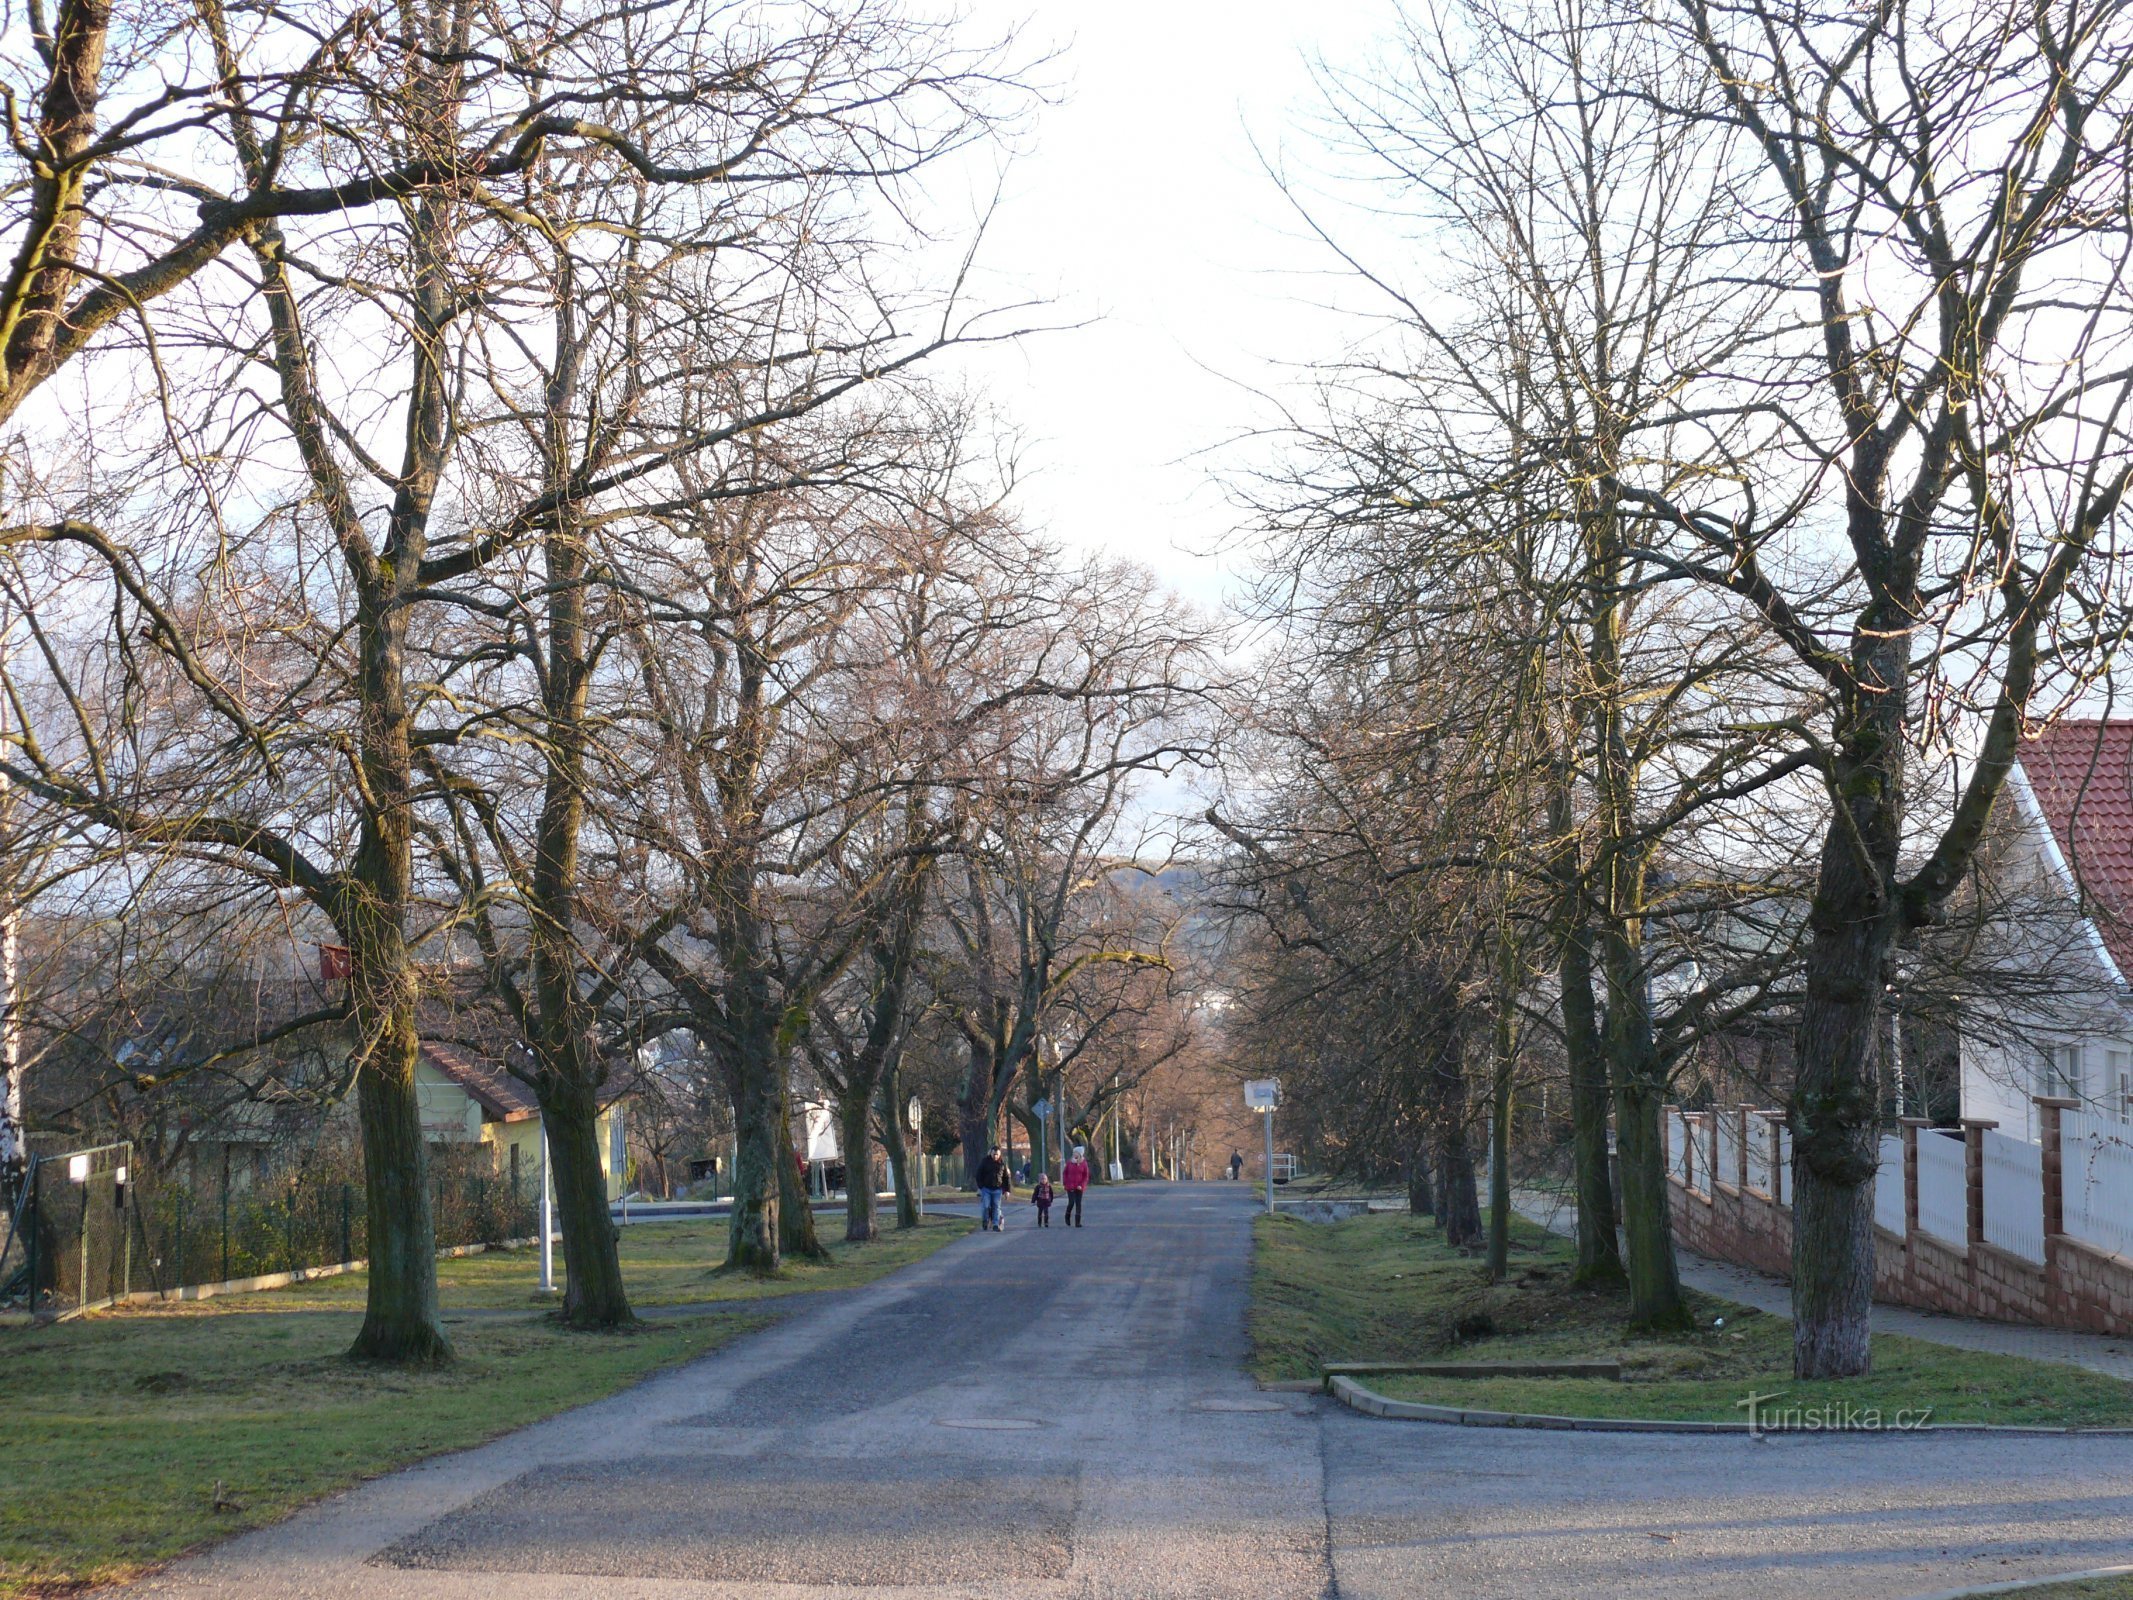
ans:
(1371, 1404)
(2022, 1585)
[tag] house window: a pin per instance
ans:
(2119, 1087)
(2062, 1073)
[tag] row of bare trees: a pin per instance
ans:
(482, 510)
(1732, 471)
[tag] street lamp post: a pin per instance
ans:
(1262, 1095)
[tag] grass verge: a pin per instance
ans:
(2120, 1588)
(1387, 1288)
(663, 1264)
(120, 1429)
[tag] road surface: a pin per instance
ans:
(1063, 1413)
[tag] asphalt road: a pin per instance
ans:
(1064, 1414)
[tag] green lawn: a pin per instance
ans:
(663, 1264)
(2120, 1588)
(120, 1428)
(1386, 1288)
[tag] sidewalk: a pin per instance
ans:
(2113, 1357)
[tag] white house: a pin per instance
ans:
(2052, 1012)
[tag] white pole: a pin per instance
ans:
(547, 1218)
(1269, 1115)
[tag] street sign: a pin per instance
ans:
(1262, 1094)
(911, 1113)
(1041, 1110)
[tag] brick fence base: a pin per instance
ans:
(2080, 1286)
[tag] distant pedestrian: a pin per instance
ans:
(994, 1180)
(1074, 1178)
(1041, 1197)
(1236, 1165)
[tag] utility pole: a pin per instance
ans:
(547, 1218)
(1261, 1095)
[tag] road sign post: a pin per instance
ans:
(913, 1114)
(1262, 1095)
(547, 1218)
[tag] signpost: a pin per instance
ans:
(913, 1112)
(1262, 1095)
(547, 1217)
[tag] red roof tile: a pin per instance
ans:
(500, 1095)
(2082, 773)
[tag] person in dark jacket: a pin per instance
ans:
(994, 1180)
(1041, 1198)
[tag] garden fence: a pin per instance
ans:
(91, 1227)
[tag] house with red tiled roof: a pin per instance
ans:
(2055, 1014)
(468, 1098)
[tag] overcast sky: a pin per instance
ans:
(1139, 202)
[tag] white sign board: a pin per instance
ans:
(912, 1113)
(821, 1123)
(1262, 1094)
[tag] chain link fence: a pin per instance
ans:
(89, 1227)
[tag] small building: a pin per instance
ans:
(2052, 1013)
(466, 1099)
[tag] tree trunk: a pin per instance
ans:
(1500, 1163)
(1421, 1198)
(593, 1295)
(762, 1163)
(1855, 919)
(796, 1216)
(1459, 1201)
(1599, 1251)
(1655, 1301)
(974, 1127)
(855, 1118)
(898, 1144)
(400, 1318)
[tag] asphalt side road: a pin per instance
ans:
(1063, 1413)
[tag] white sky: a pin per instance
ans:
(1139, 202)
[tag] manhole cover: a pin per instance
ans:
(1239, 1405)
(990, 1424)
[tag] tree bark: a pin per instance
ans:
(762, 1162)
(1503, 1061)
(900, 1154)
(400, 1315)
(593, 1294)
(1599, 1260)
(796, 1215)
(1834, 1109)
(855, 1115)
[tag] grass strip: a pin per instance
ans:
(663, 1264)
(122, 1429)
(1387, 1288)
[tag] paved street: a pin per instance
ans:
(1063, 1414)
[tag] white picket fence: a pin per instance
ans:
(2097, 1167)
(1888, 1185)
(1943, 1193)
(2014, 1195)
(2096, 1172)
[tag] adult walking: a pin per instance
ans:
(994, 1180)
(1236, 1164)
(1074, 1178)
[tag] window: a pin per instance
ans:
(2061, 1072)
(2118, 1088)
